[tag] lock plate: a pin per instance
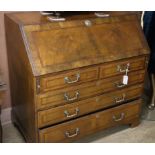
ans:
(88, 23)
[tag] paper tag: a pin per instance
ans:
(125, 79)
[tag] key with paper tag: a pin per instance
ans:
(125, 77)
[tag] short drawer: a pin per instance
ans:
(83, 91)
(66, 79)
(73, 130)
(119, 67)
(62, 113)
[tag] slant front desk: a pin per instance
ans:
(73, 78)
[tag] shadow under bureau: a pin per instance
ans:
(72, 78)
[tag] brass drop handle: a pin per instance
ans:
(119, 85)
(71, 115)
(67, 80)
(67, 98)
(102, 15)
(77, 130)
(123, 69)
(118, 119)
(118, 100)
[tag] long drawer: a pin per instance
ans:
(62, 113)
(83, 91)
(73, 130)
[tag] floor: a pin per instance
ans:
(144, 133)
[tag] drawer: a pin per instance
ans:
(119, 67)
(62, 113)
(70, 78)
(73, 130)
(83, 91)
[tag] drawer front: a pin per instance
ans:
(68, 79)
(62, 113)
(73, 130)
(83, 91)
(119, 67)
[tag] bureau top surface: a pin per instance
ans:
(79, 41)
(31, 18)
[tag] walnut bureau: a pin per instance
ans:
(67, 76)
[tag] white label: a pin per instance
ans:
(125, 79)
